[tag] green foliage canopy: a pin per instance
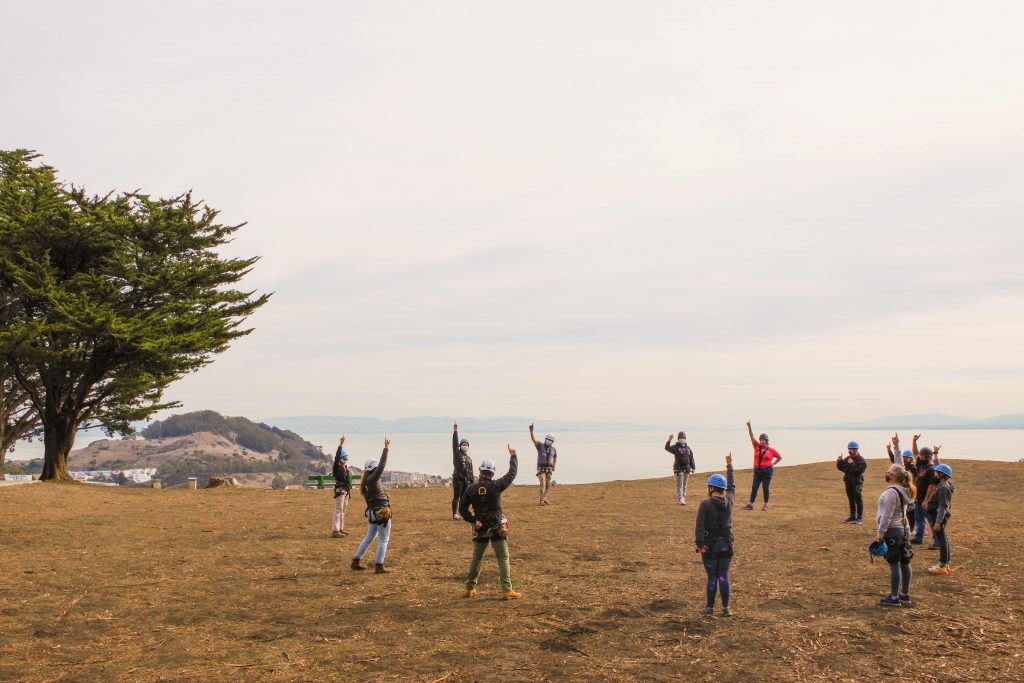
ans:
(117, 296)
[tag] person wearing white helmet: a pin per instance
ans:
(547, 458)
(489, 523)
(462, 469)
(378, 511)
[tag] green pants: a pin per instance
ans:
(504, 567)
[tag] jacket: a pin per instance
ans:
(484, 497)
(342, 475)
(683, 457)
(892, 505)
(714, 517)
(462, 464)
(373, 492)
(853, 472)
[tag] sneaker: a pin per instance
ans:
(905, 600)
(889, 601)
(510, 595)
(682, 501)
(849, 520)
(748, 506)
(707, 611)
(470, 592)
(940, 569)
(726, 612)
(858, 521)
(344, 533)
(916, 541)
(764, 508)
(456, 517)
(336, 534)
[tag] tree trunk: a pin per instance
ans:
(58, 438)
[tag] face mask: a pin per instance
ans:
(464, 448)
(548, 442)
(681, 442)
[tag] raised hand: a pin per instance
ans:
(387, 442)
(455, 426)
(935, 449)
(728, 459)
(531, 426)
(916, 437)
(511, 451)
(341, 441)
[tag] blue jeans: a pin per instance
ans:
(762, 477)
(921, 519)
(716, 564)
(376, 530)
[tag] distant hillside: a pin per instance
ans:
(331, 424)
(204, 444)
(934, 421)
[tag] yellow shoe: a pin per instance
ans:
(471, 593)
(511, 595)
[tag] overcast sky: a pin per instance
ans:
(680, 212)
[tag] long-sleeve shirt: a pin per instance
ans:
(462, 464)
(714, 516)
(487, 508)
(891, 505)
(342, 475)
(853, 472)
(941, 500)
(373, 493)
(683, 461)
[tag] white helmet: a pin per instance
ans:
(549, 437)
(488, 466)
(370, 464)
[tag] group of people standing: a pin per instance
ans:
(919, 494)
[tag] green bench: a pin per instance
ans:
(321, 479)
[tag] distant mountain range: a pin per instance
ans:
(933, 421)
(336, 424)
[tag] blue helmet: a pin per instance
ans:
(908, 454)
(878, 549)
(853, 446)
(718, 481)
(342, 454)
(944, 469)
(464, 442)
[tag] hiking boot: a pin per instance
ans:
(379, 569)
(356, 565)
(336, 534)
(889, 601)
(940, 569)
(510, 595)
(905, 600)
(344, 533)
(470, 592)
(707, 611)
(764, 508)
(726, 612)
(748, 506)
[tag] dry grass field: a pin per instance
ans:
(101, 584)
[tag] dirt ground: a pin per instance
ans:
(101, 584)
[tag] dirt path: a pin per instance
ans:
(104, 584)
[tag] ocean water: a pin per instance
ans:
(606, 456)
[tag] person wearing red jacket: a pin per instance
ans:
(765, 459)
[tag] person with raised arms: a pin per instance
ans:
(765, 460)
(547, 458)
(714, 538)
(924, 482)
(378, 511)
(911, 467)
(481, 507)
(683, 464)
(342, 490)
(462, 469)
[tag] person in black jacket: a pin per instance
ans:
(342, 490)
(462, 469)
(853, 467)
(683, 464)
(378, 510)
(489, 523)
(714, 536)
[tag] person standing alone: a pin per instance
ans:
(547, 458)
(342, 490)
(853, 467)
(765, 459)
(462, 469)
(683, 465)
